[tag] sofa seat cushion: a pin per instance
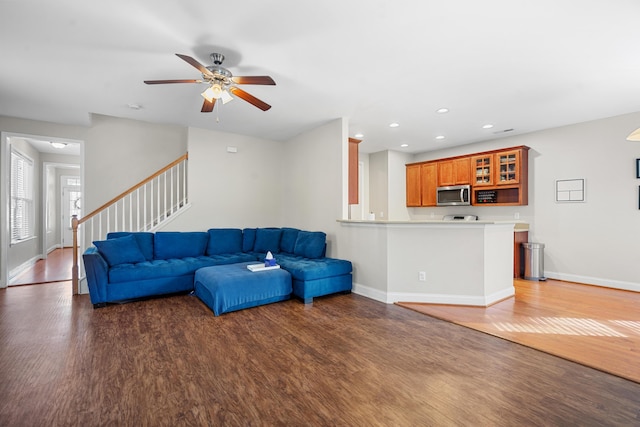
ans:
(157, 268)
(311, 269)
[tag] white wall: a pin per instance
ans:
(297, 183)
(361, 210)
(315, 181)
(379, 184)
(397, 178)
(242, 189)
(595, 242)
(365, 245)
(126, 151)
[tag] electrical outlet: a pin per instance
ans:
(516, 215)
(422, 276)
(381, 214)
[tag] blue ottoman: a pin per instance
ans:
(231, 287)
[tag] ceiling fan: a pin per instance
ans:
(221, 83)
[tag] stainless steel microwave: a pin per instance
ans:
(454, 195)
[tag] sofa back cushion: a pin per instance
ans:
(120, 250)
(288, 239)
(175, 244)
(310, 244)
(144, 239)
(267, 239)
(224, 241)
(248, 239)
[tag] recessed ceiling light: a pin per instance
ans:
(134, 106)
(404, 145)
(440, 137)
(359, 135)
(58, 145)
(394, 125)
(442, 110)
(487, 126)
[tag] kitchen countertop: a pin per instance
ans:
(518, 225)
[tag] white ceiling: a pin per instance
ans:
(521, 65)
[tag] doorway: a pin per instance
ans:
(71, 205)
(52, 158)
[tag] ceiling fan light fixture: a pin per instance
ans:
(226, 97)
(213, 92)
(634, 136)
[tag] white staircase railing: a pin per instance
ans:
(143, 207)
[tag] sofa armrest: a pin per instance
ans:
(97, 271)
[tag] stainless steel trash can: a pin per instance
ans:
(534, 261)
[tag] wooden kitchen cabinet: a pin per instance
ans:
(497, 177)
(454, 171)
(421, 184)
(428, 184)
(507, 180)
(508, 167)
(482, 170)
(413, 186)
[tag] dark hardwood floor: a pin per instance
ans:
(345, 360)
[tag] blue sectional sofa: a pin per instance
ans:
(131, 265)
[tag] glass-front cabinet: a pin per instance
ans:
(482, 170)
(508, 167)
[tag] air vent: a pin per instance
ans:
(503, 131)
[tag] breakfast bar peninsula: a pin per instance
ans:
(433, 261)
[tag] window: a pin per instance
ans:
(71, 181)
(22, 209)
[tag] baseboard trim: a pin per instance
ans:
(53, 248)
(24, 267)
(471, 300)
(371, 293)
(597, 281)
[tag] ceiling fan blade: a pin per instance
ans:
(207, 106)
(161, 82)
(253, 80)
(249, 98)
(194, 63)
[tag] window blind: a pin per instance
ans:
(22, 208)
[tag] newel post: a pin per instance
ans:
(74, 267)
